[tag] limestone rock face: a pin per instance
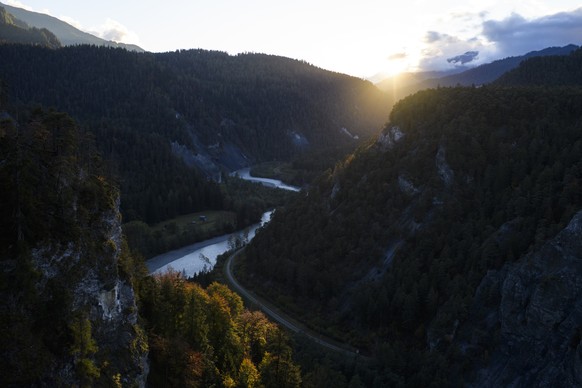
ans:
(538, 318)
(389, 137)
(68, 313)
(101, 294)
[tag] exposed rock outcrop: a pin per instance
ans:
(68, 313)
(99, 294)
(536, 315)
(389, 137)
(444, 171)
(406, 186)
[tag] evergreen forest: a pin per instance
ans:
(62, 246)
(438, 238)
(388, 250)
(171, 124)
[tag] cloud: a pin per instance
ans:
(437, 37)
(467, 57)
(516, 35)
(488, 40)
(75, 23)
(110, 30)
(18, 4)
(115, 31)
(441, 51)
(432, 37)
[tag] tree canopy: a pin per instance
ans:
(204, 337)
(169, 123)
(387, 249)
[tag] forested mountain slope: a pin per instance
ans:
(66, 33)
(560, 70)
(15, 31)
(390, 250)
(168, 121)
(70, 288)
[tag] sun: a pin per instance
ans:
(400, 62)
(395, 67)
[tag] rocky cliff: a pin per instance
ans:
(100, 295)
(534, 320)
(68, 313)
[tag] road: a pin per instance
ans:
(282, 318)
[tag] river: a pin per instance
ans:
(245, 174)
(201, 256)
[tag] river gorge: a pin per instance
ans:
(201, 256)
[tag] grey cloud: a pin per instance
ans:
(441, 46)
(498, 39)
(432, 36)
(516, 35)
(467, 57)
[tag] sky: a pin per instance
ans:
(362, 38)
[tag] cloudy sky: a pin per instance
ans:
(360, 38)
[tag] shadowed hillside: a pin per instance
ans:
(170, 122)
(388, 250)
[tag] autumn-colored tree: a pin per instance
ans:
(279, 371)
(248, 375)
(255, 331)
(205, 337)
(83, 348)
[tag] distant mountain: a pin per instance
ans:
(397, 84)
(490, 72)
(562, 70)
(9, 19)
(15, 31)
(67, 34)
(479, 75)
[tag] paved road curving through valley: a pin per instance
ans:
(282, 318)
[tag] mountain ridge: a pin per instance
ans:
(487, 73)
(15, 31)
(554, 71)
(67, 34)
(482, 74)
